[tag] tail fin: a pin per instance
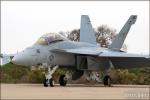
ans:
(87, 33)
(119, 40)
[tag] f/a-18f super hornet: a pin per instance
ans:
(53, 50)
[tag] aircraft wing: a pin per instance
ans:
(126, 60)
(118, 59)
(93, 51)
(111, 53)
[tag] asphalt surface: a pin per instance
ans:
(75, 91)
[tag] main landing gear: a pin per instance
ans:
(93, 76)
(107, 81)
(62, 80)
(96, 77)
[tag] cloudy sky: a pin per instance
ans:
(23, 22)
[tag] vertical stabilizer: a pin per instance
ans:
(87, 33)
(119, 40)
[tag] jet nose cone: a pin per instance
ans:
(15, 60)
(12, 60)
(20, 60)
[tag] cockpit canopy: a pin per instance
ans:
(49, 38)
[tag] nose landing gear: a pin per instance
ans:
(48, 81)
(48, 77)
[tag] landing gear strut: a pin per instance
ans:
(48, 76)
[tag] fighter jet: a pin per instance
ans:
(52, 50)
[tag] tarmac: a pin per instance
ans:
(74, 91)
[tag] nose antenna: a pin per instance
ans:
(11, 57)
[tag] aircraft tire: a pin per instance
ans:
(51, 82)
(107, 80)
(62, 80)
(45, 83)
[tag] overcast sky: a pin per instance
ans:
(22, 23)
